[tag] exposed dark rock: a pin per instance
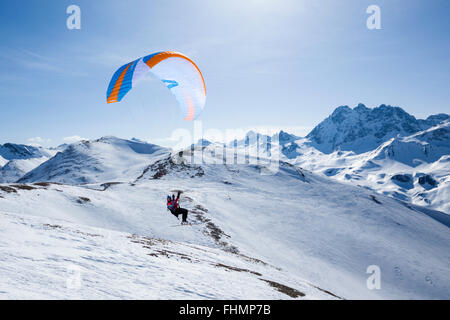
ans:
(291, 292)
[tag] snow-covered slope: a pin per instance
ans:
(102, 160)
(317, 231)
(415, 168)
(10, 151)
(3, 161)
(16, 160)
(58, 259)
(425, 146)
(363, 129)
(13, 170)
(384, 149)
(309, 228)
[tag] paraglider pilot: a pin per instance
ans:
(174, 207)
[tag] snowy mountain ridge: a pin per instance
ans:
(363, 129)
(420, 157)
(297, 232)
(414, 168)
(11, 151)
(17, 159)
(101, 160)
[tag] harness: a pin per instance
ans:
(172, 205)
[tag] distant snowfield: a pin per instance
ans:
(309, 231)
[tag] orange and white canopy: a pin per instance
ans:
(180, 74)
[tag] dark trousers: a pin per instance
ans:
(183, 212)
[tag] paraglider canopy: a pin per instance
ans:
(178, 72)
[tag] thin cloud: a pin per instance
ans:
(35, 61)
(38, 141)
(73, 139)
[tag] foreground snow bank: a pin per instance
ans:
(43, 258)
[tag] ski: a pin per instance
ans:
(185, 224)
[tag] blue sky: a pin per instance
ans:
(266, 63)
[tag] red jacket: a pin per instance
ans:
(173, 205)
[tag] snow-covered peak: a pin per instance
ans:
(60, 148)
(363, 129)
(135, 145)
(105, 159)
(361, 108)
(401, 167)
(18, 159)
(11, 151)
(201, 143)
(284, 137)
(436, 119)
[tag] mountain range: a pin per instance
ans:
(384, 149)
(374, 148)
(362, 129)
(308, 230)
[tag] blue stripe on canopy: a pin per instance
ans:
(113, 81)
(170, 83)
(127, 81)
